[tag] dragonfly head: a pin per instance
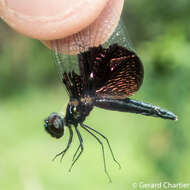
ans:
(54, 125)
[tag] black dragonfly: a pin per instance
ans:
(106, 79)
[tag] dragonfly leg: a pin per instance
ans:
(62, 153)
(81, 148)
(107, 144)
(103, 153)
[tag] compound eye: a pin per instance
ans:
(54, 125)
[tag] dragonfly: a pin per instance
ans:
(106, 78)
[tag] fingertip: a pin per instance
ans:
(47, 19)
(93, 35)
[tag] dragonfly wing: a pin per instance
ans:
(67, 66)
(123, 74)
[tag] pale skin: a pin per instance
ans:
(49, 20)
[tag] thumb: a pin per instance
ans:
(47, 19)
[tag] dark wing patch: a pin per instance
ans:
(73, 84)
(123, 73)
(113, 72)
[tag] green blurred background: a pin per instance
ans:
(150, 150)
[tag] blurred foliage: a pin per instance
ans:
(149, 149)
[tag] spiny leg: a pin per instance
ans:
(62, 153)
(107, 143)
(81, 146)
(76, 153)
(100, 142)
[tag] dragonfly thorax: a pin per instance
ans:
(78, 109)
